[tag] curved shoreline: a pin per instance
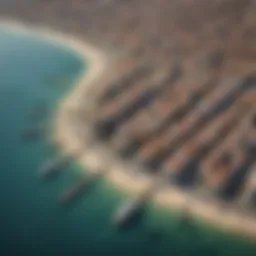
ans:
(96, 157)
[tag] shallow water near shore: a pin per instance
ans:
(31, 220)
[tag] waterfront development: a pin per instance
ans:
(178, 131)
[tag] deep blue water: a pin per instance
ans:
(31, 220)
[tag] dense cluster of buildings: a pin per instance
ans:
(185, 103)
(200, 132)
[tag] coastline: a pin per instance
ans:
(96, 157)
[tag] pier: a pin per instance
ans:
(131, 211)
(127, 212)
(52, 166)
(79, 188)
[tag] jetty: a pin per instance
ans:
(53, 166)
(127, 212)
(79, 188)
(130, 211)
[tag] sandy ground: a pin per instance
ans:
(74, 140)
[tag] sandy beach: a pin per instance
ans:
(75, 141)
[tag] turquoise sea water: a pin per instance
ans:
(31, 220)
